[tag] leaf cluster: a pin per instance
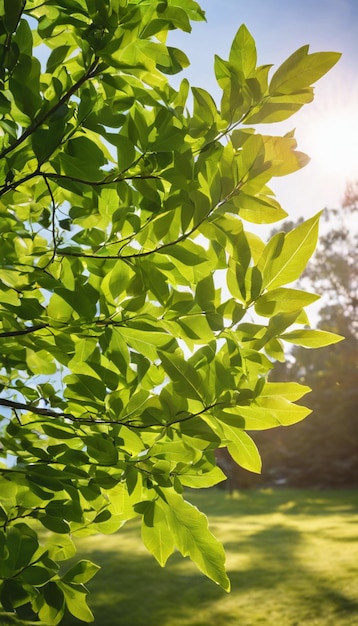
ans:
(124, 364)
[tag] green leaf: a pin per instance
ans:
(243, 449)
(12, 13)
(37, 575)
(290, 390)
(196, 328)
(13, 595)
(205, 293)
(206, 479)
(271, 408)
(21, 544)
(82, 572)
(125, 152)
(147, 342)
(156, 534)
(301, 70)
(40, 362)
(56, 58)
(243, 52)
(58, 309)
(192, 537)
(258, 209)
(52, 605)
(286, 255)
(280, 151)
(46, 141)
(312, 338)
(102, 449)
(279, 108)
(82, 386)
(123, 499)
(204, 109)
(75, 598)
(283, 300)
(55, 524)
(185, 378)
(187, 253)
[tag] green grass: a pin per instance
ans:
(292, 558)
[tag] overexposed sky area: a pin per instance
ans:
(327, 129)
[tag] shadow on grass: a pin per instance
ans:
(135, 591)
(131, 589)
(272, 581)
(275, 562)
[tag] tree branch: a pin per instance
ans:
(53, 220)
(23, 331)
(99, 183)
(137, 255)
(91, 183)
(21, 406)
(12, 404)
(10, 187)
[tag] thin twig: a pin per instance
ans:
(53, 220)
(137, 255)
(10, 187)
(80, 420)
(100, 183)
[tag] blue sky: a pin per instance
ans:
(279, 28)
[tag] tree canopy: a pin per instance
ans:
(124, 362)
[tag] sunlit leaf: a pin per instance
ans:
(286, 255)
(312, 338)
(156, 534)
(192, 537)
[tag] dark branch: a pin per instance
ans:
(53, 220)
(80, 420)
(91, 183)
(137, 255)
(99, 183)
(11, 186)
(21, 406)
(23, 331)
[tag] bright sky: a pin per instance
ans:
(327, 130)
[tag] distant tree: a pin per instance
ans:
(123, 367)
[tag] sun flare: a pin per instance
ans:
(333, 141)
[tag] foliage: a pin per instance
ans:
(123, 364)
(333, 376)
(302, 456)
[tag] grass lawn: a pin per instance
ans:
(292, 558)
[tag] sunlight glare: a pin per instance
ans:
(333, 140)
